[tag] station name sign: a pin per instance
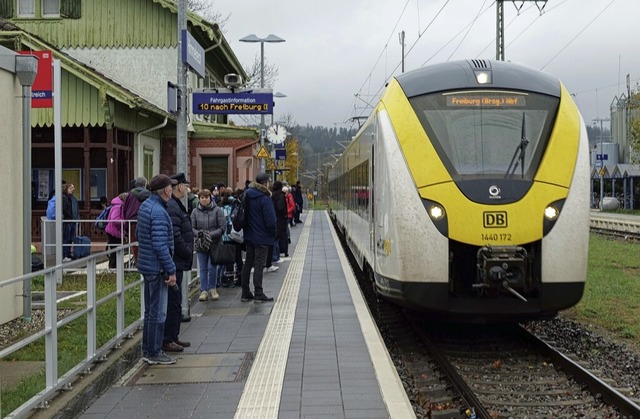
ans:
(232, 103)
(485, 100)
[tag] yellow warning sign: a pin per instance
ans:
(271, 165)
(602, 173)
(263, 153)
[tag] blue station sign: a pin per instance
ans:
(232, 103)
(192, 53)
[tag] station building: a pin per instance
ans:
(117, 58)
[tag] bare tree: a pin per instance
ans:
(205, 9)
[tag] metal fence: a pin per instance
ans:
(52, 276)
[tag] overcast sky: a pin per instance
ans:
(339, 53)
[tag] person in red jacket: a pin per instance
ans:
(291, 205)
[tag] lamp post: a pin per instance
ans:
(273, 39)
(601, 171)
(26, 70)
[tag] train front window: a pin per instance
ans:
(486, 134)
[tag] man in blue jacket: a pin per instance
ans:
(260, 233)
(183, 258)
(155, 263)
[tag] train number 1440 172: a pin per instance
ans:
(494, 237)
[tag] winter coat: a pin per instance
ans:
(155, 238)
(182, 234)
(132, 204)
(115, 226)
(262, 228)
(280, 206)
(70, 209)
(297, 196)
(211, 219)
(291, 205)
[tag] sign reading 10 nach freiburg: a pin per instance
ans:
(232, 103)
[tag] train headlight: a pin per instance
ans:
(436, 212)
(438, 215)
(551, 213)
(483, 76)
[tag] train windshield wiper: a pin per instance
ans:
(518, 156)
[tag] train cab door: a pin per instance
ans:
(372, 205)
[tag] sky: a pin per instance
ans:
(339, 54)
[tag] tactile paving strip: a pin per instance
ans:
(261, 395)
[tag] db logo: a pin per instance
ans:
(495, 219)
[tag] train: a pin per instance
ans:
(465, 193)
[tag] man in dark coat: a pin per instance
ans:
(183, 258)
(155, 264)
(137, 194)
(258, 236)
(297, 197)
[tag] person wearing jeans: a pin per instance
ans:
(207, 219)
(156, 265)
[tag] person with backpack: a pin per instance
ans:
(116, 227)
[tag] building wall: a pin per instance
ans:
(135, 68)
(11, 168)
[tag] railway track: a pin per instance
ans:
(458, 371)
(498, 371)
(621, 225)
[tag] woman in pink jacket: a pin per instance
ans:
(116, 227)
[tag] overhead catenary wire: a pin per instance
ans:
(578, 34)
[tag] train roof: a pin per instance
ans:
(456, 75)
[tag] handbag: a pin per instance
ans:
(222, 253)
(203, 241)
(236, 236)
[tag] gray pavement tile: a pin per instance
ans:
(318, 411)
(366, 414)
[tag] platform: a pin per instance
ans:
(314, 352)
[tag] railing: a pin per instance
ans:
(84, 229)
(54, 383)
(52, 276)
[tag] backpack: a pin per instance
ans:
(239, 217)
(103, 218)
(51, 208)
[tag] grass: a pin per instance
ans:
(611, 300)
(72, 338)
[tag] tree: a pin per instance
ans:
(634, 121)
(205, 9)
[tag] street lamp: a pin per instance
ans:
(602, 159)
(273, 39)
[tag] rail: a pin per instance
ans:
(52, 275)
(84, 228)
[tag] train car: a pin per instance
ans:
(466, 192)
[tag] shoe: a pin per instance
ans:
(278, 261)
(214, 294)
(272, 268)
(67, 259)
(262, 298)
(286, 255)
(247, 298)
(186, 319)
(161, 358)
(204, 296)
(182, 343)
(172, 347)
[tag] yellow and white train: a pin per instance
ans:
(466, 192)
